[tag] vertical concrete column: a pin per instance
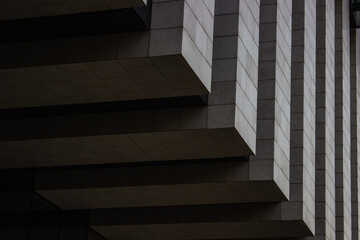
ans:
(355, 121)
(233, 98)
(184, 27)
(221, 110)
(325, 121)
(247, 71)
(342, 121)
(358, 121)
(272, 160)
(302, 143)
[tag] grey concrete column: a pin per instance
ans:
(273, 120)
(358, 118)
(302, 136)
(355, 121)
(325, 121)
(233, 98)
(342, 121)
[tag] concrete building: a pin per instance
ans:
(179, 119)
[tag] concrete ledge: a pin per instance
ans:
(126, 136)
(135, 147)
(197, 222)
(229, 230)
(98, 81)
(167, 184)
(182, 222)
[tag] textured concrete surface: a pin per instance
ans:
(268, 149)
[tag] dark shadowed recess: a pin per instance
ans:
(117, 106)
(82, 24)
(354, 13)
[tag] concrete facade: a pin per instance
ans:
(179, 119)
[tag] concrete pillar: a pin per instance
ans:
(235, 71)
(342, 121)
(273, 120)
(302, 136)
(355, 120)
(325, 121)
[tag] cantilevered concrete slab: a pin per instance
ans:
(226, 127)
(20, 9)
(147, 145)
(231, 221)
(163, 184)
(212, 131)
(42, 217)
(234, 221)
(172, 59)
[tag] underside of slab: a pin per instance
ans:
(39, 8)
